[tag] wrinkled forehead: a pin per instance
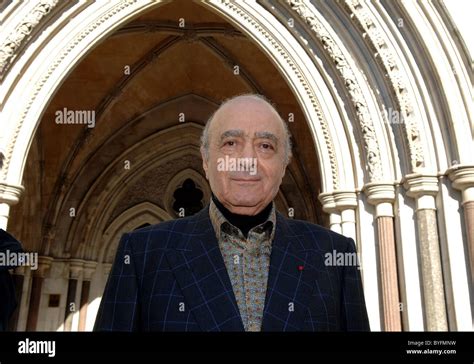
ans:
(250, 116)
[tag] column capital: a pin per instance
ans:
(89, 269)
(44, 264)
(10, 194)
(338, 201)
(75, 268)
(20, 270)
(462, 177)
(345, 199)
(418, 185)
(379, 192)
(328, 202)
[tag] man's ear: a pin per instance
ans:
(205, 162)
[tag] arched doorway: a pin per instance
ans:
(142, 151)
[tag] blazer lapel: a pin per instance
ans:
(200, 271)
(290, 280)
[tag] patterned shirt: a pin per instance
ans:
(247, 261)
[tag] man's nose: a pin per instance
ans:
(248, 151)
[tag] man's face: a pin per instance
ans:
(246, 155)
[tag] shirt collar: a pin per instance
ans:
(222, 225)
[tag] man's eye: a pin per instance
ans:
(230, 143)
(267, 146)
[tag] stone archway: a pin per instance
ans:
(129, 220)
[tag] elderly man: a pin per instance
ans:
(237, 264)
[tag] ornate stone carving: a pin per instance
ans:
(371, 145)
(387, 59)
(2, 158)
(19, 36)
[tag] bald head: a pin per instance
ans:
(240, 102)
(245, 148)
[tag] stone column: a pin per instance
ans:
(335, 222)
(9, 196)
(89, 268)
(382, 196)
(75, 271)
(329, 206)
(463, 180)
(44, 264)
(424, 189)
(346, 203)
(24, 302)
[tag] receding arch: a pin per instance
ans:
(145, 212)
(181, 140)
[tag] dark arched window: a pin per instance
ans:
(187, 197)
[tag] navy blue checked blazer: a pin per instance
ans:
(172, 277)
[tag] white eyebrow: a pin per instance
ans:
(232, 133)
(266, 135)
